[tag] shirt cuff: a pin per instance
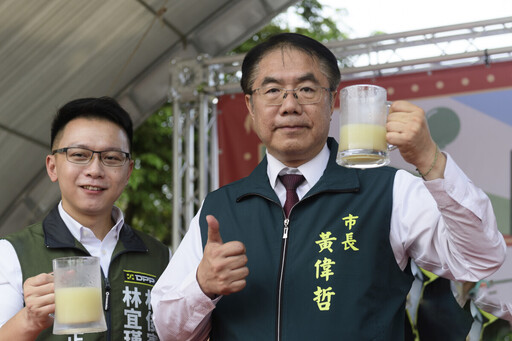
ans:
(456, 186)
(203, 304)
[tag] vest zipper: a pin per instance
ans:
(284, 248)
(107, 306)
(281, 277)
(107, 294)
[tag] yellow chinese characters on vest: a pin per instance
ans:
(323, 267)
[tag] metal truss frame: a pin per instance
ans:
(196, 83)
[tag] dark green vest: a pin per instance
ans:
(438, 315)
(497, 330)
(340, 279)
(137, 262)
(492, 327)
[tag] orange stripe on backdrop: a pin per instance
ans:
(443, 82)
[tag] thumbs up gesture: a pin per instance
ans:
(223, 270)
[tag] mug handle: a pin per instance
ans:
(388, 105)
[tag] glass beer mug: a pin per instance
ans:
(363, 116)
(78, 299)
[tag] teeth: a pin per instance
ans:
(92, 188)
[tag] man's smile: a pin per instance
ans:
(92, 188)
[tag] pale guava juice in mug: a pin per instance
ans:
(77, 305)
(363, 136)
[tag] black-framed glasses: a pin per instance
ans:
(273, 95)
(82, 156)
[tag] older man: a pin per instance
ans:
(334, 265)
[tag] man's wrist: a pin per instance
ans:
(425, 174)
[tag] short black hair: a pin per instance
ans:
(326, 59)
(103, 108)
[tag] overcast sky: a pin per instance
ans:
(363, 17)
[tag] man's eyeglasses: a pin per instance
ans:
(82, 156)
(273, 95)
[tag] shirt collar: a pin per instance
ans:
(311, 170)
(77, 229)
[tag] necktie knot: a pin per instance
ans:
(291, 182)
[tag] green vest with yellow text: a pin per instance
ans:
(137, 262)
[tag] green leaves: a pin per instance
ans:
(308, 19)
(147, 200)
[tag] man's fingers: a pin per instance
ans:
(213, 230)
(39, 285)
(234, 286)
(39, 280)
(404, 106)
(235, 282)
(238, 261)
(240, 273)
(46, 299)
(234, 248)
(40, 296)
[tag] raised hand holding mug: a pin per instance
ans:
(363, 116)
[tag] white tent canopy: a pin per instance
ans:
(57, 50)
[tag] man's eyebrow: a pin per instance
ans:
(84, 146)
(268, 80)
(306, 77)
(78, 145)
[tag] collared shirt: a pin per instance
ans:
(431, 222)
(309, 170)
(102, 249)
(11, 286)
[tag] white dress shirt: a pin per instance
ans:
(446, 225)
(11, 286)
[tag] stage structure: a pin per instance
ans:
(197, 83)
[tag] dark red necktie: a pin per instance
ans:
(291, 182)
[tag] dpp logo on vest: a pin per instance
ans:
(139, 278)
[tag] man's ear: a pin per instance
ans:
(334, 98)
(249, 105)
(51, 168)
(130, 170)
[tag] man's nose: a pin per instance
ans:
(290, 102)
(95, 166)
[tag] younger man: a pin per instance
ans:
(91, 140)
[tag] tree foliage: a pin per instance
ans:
(147, 200)
(309, 20)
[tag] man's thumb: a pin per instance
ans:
(213, 230)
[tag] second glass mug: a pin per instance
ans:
(78, 298)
